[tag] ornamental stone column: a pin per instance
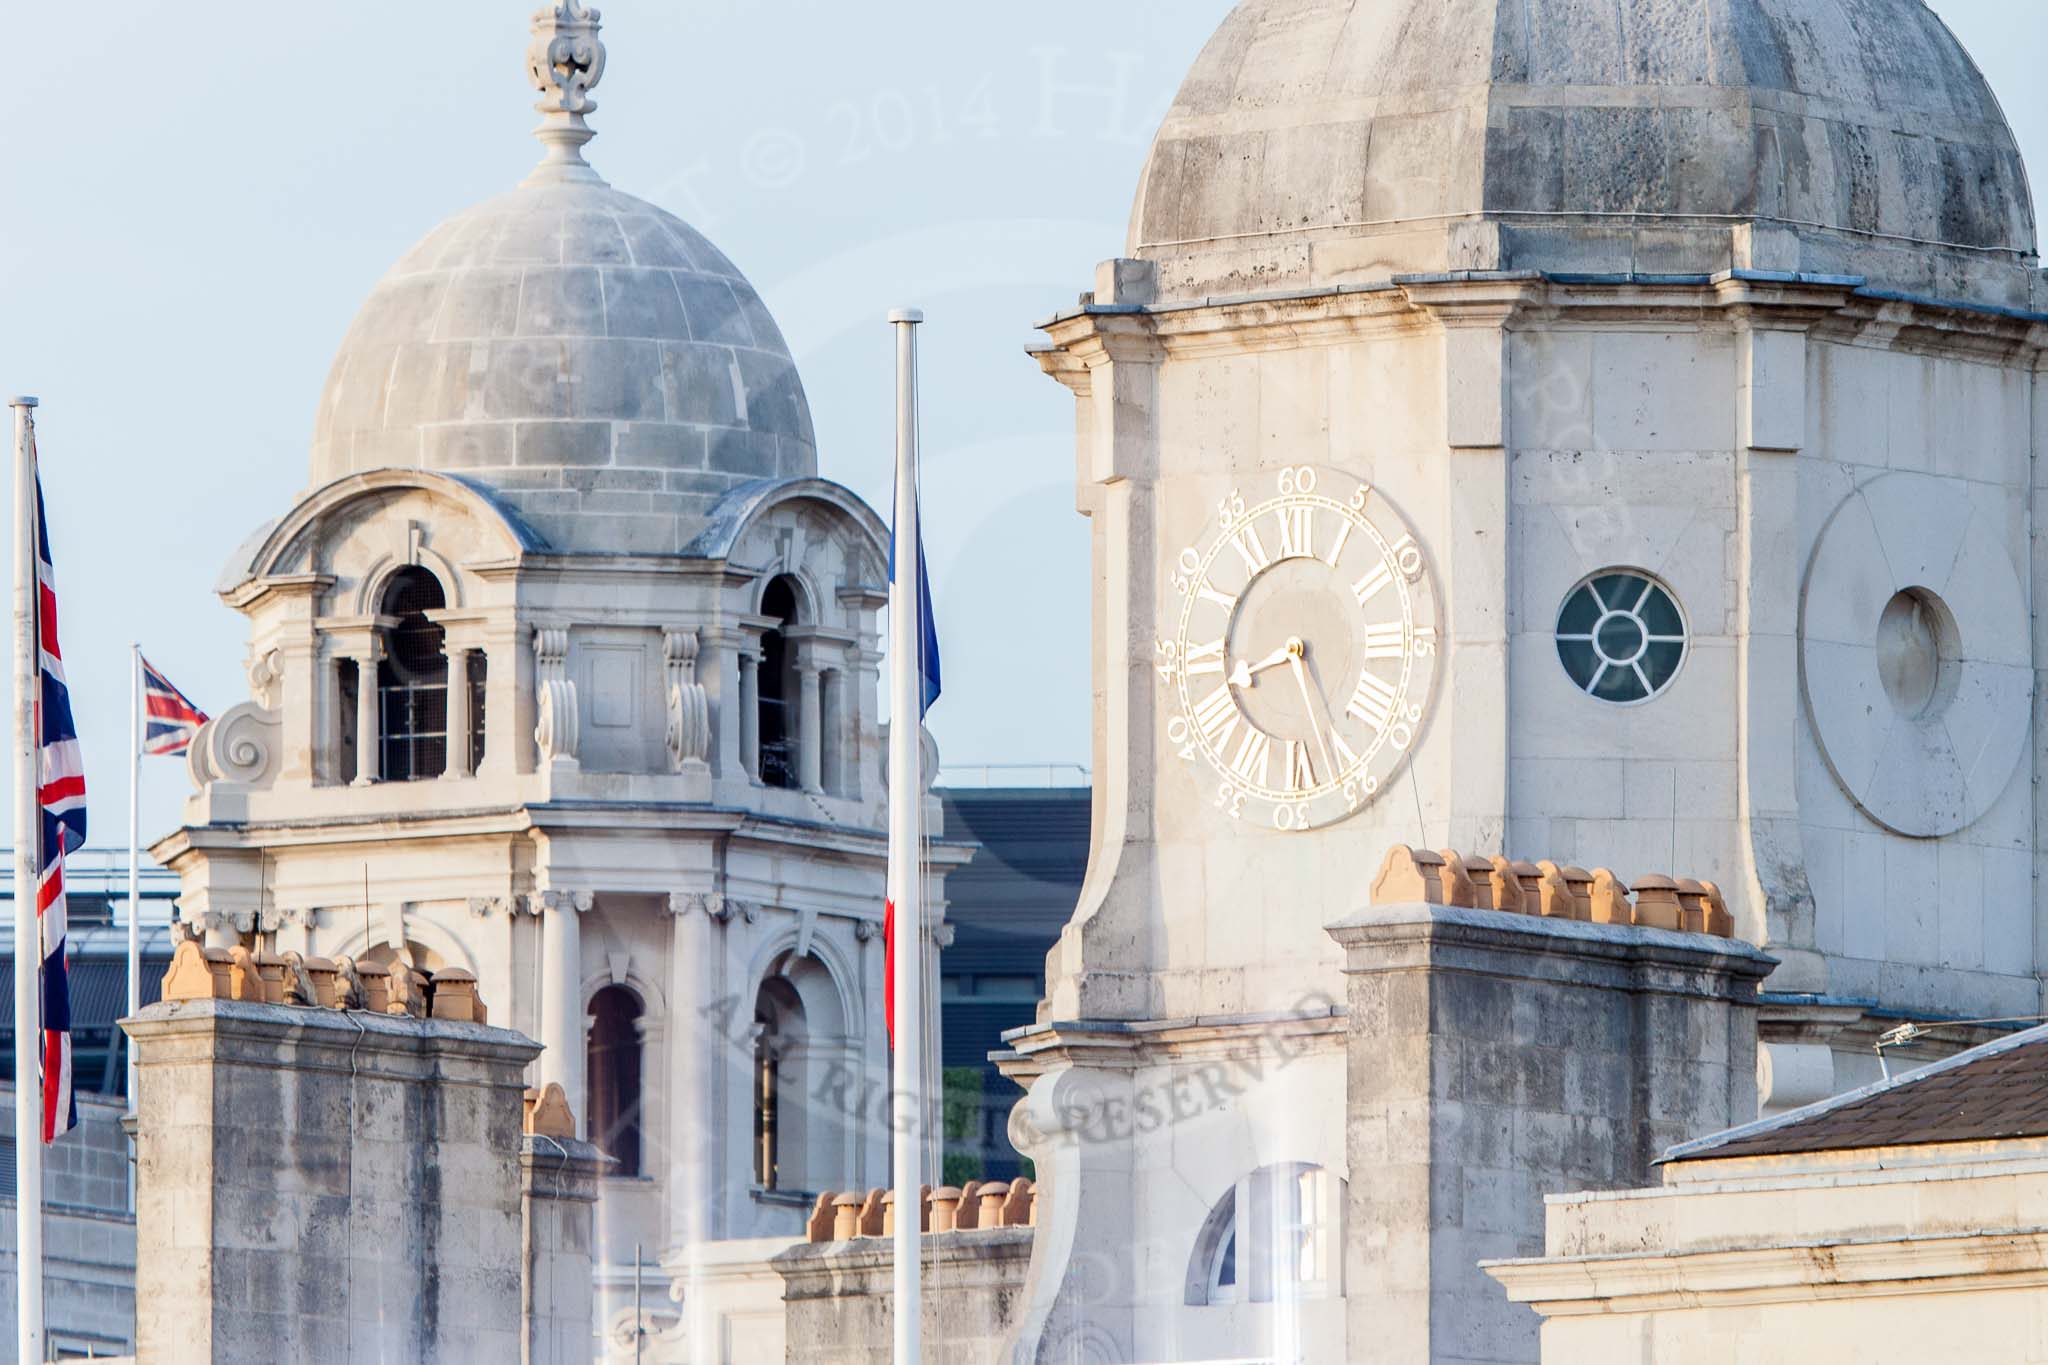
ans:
(457, 765)
(810, 727)
(750, 711)
(369, 747)
(561, 995)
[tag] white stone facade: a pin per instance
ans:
(1833, 479)
(565, 461)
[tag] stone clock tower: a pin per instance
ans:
(1604, 439)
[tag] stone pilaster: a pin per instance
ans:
(1497, 1058)
(312, 1180)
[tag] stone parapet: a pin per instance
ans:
(1497, 1058)
(837, 1297)
(317, 1184)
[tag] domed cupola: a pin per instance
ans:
(1331, 141)
(587, 357)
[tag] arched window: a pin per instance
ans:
(612, 1077)
(778, 1022)
(780, 765)
(412, 681)
(1272, 1238)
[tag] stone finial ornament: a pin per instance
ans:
(1720, 922)
(298, 982)
(245, 980)
(1508, 893)
(193, 975)
(968, 1214)
(1020, 1207)
(548, 1114)
(1457, 880)
(1409, 874)
(823, 1221)
(407, 993)
(350, 992)
(872, 1213)
(1610, 899)
(565, 61)
(1554, 899)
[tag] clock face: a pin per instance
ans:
(1301, 661)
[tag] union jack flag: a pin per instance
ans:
(61, 795)
(170, 720)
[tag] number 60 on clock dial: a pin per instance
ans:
(1300, 665)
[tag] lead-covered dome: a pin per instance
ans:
(1318, 141)
(591, 359)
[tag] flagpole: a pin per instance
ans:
(134, 864)
(28, 966)
(906, 808)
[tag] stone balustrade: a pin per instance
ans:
(848, 1215)
(1552, 890)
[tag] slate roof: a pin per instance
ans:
(1999, 1090)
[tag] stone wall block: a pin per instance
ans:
(1579, 1049)
(314, 1181)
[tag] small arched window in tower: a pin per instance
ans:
(1273, 1237)
(412, 681)
(778, 1022)
(612, 1077)
(780, 765)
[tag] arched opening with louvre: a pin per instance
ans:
(614, 1076)
(412, 680)
(780, 732)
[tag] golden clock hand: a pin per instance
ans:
(1312, 705)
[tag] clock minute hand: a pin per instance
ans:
(1313, 706)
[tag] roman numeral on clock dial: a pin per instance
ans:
(1372, 702)
(1204, 658)
(1388, 640)
(1253, 551)
(1369, 587)
(1216, 716)
(1254, 756)
(1297, 532)
(1300, 776)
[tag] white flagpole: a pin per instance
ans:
(906, 808)
(28, 966)
(134, 863)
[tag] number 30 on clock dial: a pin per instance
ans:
(1302, 658)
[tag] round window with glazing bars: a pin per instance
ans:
(1621, 636)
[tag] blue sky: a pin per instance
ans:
(197, 204)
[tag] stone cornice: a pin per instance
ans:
(246, 596)
(1569, 1286)
(1839, 307)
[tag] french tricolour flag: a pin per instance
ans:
(928, 679)
(60, 784)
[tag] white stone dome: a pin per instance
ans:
(1325, 140)
(590, 359)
